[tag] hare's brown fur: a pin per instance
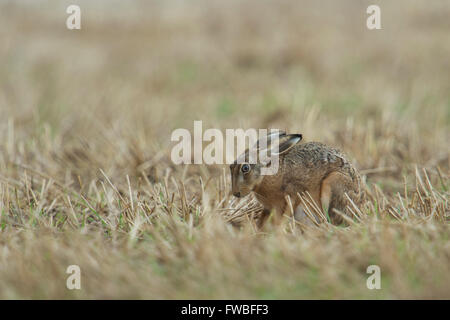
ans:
(314, 168)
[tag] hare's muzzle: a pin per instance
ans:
(237, 194)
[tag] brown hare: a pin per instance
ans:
(311, 167)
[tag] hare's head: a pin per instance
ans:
(246, 175)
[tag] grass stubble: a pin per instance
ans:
(85, 171)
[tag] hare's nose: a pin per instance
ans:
(237, 194)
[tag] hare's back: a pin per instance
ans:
(315, 154)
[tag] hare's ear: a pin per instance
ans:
(273, 135)
(287, 142)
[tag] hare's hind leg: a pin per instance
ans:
(332, 194)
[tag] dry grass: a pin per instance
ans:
(85, 170)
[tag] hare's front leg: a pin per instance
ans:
(300, 216)
(263, 218)
(276, 217)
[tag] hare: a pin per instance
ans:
(311, 167)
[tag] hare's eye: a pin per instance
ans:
(245, 168)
